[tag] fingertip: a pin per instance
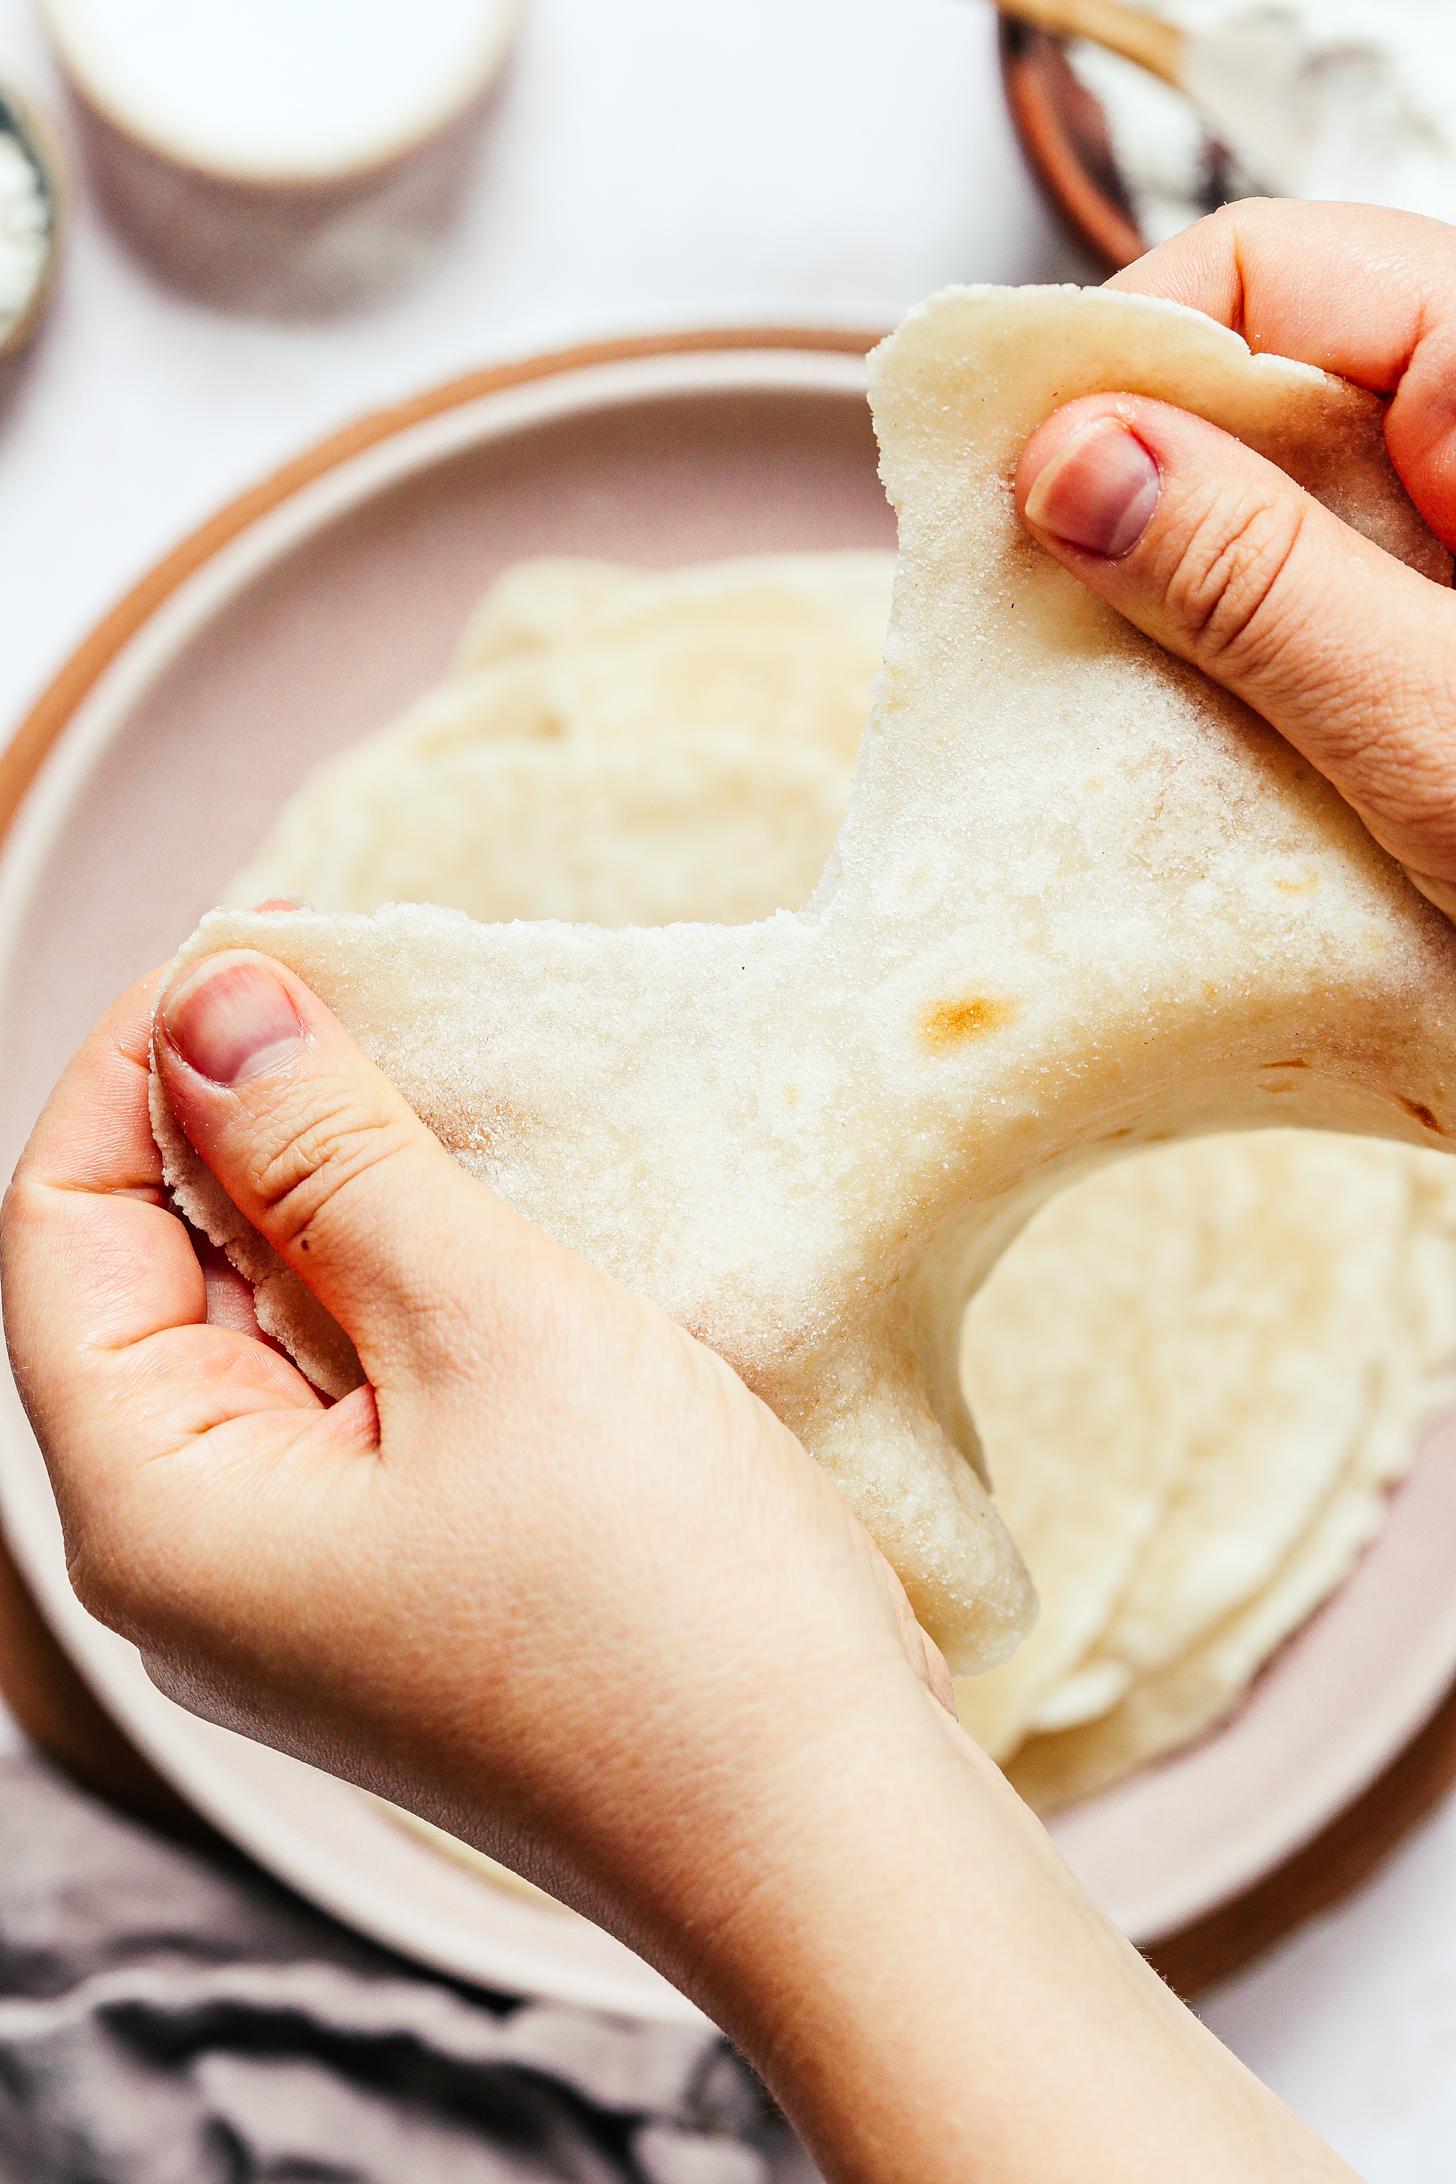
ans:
(1073, 423)
(1052, 436)
(230, 1018)
(1088, 480)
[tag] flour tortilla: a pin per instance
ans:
(1190, 1326)
(1073, 1354)
(1242, 1330)
(722, 825)
(772, 663)
(1170, 1708)
(1405, 1357)
(548, 605)
(1081, 899)
(1292, 1342)
(789, 640)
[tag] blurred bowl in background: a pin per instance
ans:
(1065, 136)
(266, 169)
(1123, 157)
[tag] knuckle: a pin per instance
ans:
(1223, 229)
(1243, 217)
(187, 1684)
(316, 1163)
(105, 1580)
(1228, 580)
(16, 1212)
(22, 1209)
(86, 1574)
(175, 1682)
(1234, 234)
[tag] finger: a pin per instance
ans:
(105, 1301)
(230, 1299)
(321, 1154)
(1224, 560)
(1356, 289)
(91, 1258)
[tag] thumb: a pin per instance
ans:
(1214, 552)
(320, 1153)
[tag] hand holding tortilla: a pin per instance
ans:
(1081, 901)
(556, 1579)
(1198, 1371)
(1236, 571)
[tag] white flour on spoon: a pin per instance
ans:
(25, 227)
(1340, 99)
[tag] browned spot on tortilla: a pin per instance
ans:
(1286, 1065)
(1419, 1112)
(954, 1023)
(1126, 1132)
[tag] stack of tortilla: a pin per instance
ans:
(1197, 1374)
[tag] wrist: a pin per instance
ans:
(776, 1842)
(801, 1925)
(927, 1992)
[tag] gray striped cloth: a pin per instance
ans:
(170, 2016)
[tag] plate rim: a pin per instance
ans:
(40, 727)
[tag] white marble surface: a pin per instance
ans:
(651, 164)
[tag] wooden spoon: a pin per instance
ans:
(1153, 44)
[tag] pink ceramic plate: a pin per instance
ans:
(306, 615)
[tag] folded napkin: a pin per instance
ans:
(170, 2016)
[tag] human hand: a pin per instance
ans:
(554, 1577)
(1213, 551)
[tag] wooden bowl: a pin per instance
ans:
(1064, 133)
